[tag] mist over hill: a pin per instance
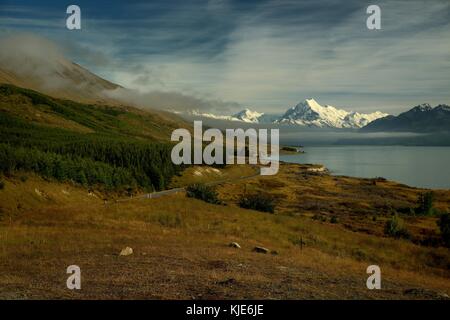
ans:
(37, 63)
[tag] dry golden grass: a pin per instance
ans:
(181, 244)
(206, 174)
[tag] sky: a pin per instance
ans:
(264, 55)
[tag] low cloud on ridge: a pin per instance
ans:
(40, 60)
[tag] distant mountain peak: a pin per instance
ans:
(421, 118)
(443, 107)
(311, 102)
(422, 108)
(248, 115)
(310, 113)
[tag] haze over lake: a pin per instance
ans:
(417, 166)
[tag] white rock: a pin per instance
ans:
(126, 252)
(261, 250)
(235, 245)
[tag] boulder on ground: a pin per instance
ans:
(126, 252)
(234, 245)
(260, 250)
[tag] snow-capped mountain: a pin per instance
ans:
(310, 113)
(245, 115)
(307, 113)
(197, 113)
(248, 115)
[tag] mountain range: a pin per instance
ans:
(422, 118)
(307, 113)
(310, 113)
(59, 77)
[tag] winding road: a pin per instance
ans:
(158, 194)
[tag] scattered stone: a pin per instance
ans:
(234, 245)
(275, 253)
(126, 252)
(261, 250)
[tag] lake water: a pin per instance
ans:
(427, 167)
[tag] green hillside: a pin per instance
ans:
(117, 148)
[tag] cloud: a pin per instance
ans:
(270, 54)
(171, 101)
(32, 57)
(39, 59)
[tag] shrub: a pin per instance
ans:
(425, 204)
(444, 226)
(2, 184)
(258, 201)
(395, 228)
(333, 219)
(203, 192)
(319, 217)
(23, 178)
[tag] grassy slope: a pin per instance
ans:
(181, 244)
(114, 121)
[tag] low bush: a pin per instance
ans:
(257, 201)
(333, 219)
(2, 184)
(203, 192)
(395, 227)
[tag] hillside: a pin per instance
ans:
(110, 146)
(117, 120)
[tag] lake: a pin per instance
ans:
(427, 167)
